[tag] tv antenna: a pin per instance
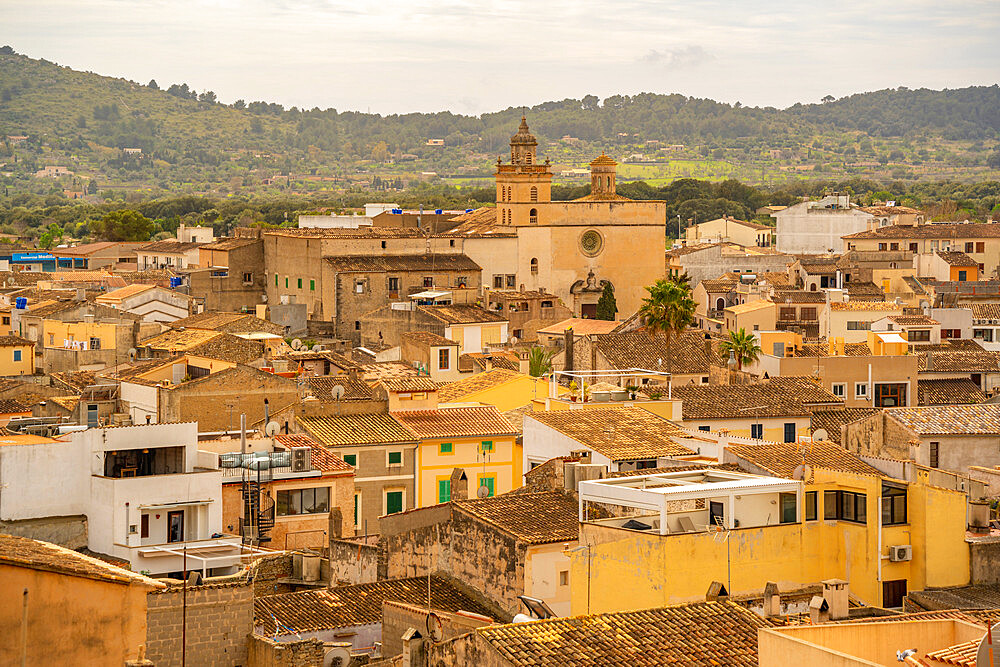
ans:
(271, 429)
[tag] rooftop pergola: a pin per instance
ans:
(654, 492)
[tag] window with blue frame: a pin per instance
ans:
(17, 355)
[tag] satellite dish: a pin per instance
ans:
(263, 297)
(296, 344)
(337, 392)
(337, 655)
(513, 340)
(820, 434)
(435, 629)
(272, 429)
(131, 353)
(483, 491)
(318, 348)
(987, 648)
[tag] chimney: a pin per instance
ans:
(929, 366)
(459, 485)
(708, 345)
(568, 345)
(979, 516)
(772, 600)
(716, 592)
(81, 294)
(835, 594)
(819, 610)
(413, 649)
(335, 529)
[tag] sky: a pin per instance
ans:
(398, 56)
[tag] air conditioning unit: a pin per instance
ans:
(301, 459)
(900, 553)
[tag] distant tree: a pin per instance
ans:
(607, 307)
(993, 160)
(7, 51)
(152, 84)
(92, 187)
(381, 152)
(828, 98)
(207, 96)
(123, 225)
(51, 237)
(239, 104)
(539, 361)
(744, 347)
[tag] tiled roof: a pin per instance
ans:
(354, 389)
(960, 361)
(777, 397)
(10, 340)
(169, 246)
(717, 285)
(934, 231)
(13, 406)
(638, 349)
(229, 244)
(750, 306)
(961, 655)
(889, 210)
(980, 419)
(384, 263)
(542, 517)
(831, 420)
(412, 383)
(336, 358)
(366, 232)
(234, 323)
(866, 305)
(986, 311)
(387, 369)
(801, 296)
(976, 596)
(427, 338)
(688, 249)
(781, 458)
(206, 343)
(914, 284)
(89, 248)
(823, 350)
(481, 223)
(580, 326)
(949, 392)
(366, 429)
(361, 604)
(455, 391)
(913, 320)
(953, 258)
(66, 402)
(461, 314)
(120, 294)
(456, 422)
(700, 633)
(620, 434)
(37, 555)
(320, 458)
(865, 289)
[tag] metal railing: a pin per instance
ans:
(258, 466)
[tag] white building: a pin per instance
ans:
(349, 221)
(147, 492)
(152, 302)
(816, 227)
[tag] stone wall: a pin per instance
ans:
(66, 531)
(356, 561)
(265, 572)
(219, 622)
(984, 560)
(462, 650)
(264, 652)
(398, 617)
(864, 436)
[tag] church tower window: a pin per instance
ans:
(533, 216)
(534, 193)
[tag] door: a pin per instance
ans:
(175, 526)
(893, 593)
(716, 513)
(890, 395)
(588, 310)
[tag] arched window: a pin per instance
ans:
(609, 183)
(534, 193)
(534, 265)
(720, 304)
(533, 216)
(527, 157)
(812, 288)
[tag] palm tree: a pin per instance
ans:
(668, 309)
(744, 347)
(539, 361)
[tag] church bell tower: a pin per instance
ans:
(524, 184)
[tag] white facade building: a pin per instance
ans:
(816, 227)
(146, 495)
(344, 221)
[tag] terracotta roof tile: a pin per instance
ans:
(481, 223)
(701, 633)
(961, 360)
(867, 290)
(456, 422)
(638, 349)
(37, 555)
(986, 311)
(867, 305)
(427, 338)
(535, 518)
(953, 258)
(980, 419)
(832, 420)
(368, 429)
(777, 397)
(932, 231)
(356, 605)
(781, 458)
(913, 320)
(411, 383)
(366, 232)
(10, 340)
(386, 263)
(962, 655)
(321, 458)
(949, 392)
(580, 326)
(234, 323)
(620, 434)
(354, 389)
(229, 244)
(206, 343)
(455, 391)
(461, 314)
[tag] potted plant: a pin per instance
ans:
(586, 393)
(656, 394)
(572, 390)
(632, 391)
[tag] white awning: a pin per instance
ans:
(182, 503)
(891, 338)
(429, 295)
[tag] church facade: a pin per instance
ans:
(573, 248)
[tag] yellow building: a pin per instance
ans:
(17, 356)
(505, 389)
(477, 442)
(78, 335)
(687, 530)
(729, 229)
(751, 316)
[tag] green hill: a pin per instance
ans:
(190, 143)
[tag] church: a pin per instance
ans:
(573, 248)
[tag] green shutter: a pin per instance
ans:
(351, 459)
(488, 483)
(444, 490)
(393, 502)
(286, 282)
(275, 279)
(300, 283)
(395, 458)
(445, 448)
(487, 445)
(312, 285)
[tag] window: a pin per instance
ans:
(969, 245)
(838, 389)
(859, 326)
(564, 578)
(890, 395)
(980, 246)
(395, 458)
(757, 431)
(934, 245)
(789, 431)
(359, 286)
(357, 325)
(17, 355)
(144, 526)
(462, 281)
(546, 304)
(357, 510)
(487, 446)
(451, 243)
(221, 273)
(533, 216)
(534, 266)
(383, 245)
(511, 281)
(786, 501)
(247, 277)
(882, 246)
(286, 282)
(893, 504)
(497, 282)
(303, 501)
(489, 481)
(918, 335)
(312, 285)
(808, 314)
(913, 247)
(446, 448)
(393, 502)
(704, 428)
(810, 505)
(275, 279)
(935, 454)
(95, 343)
(860, 390)
(444, 490)
(784, 313)
(351, 459)
(845, 506)
(534, 194)
(963, 276)
(393, 284)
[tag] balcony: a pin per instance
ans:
(264, 466)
